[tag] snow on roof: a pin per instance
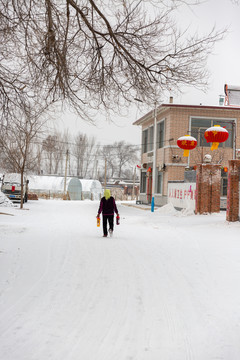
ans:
(53, 183)
(12, 178)
(91, 185)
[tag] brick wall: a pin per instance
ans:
(208, 188)
(233, 191)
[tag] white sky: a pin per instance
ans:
(223, 66)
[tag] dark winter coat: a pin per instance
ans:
(107, 207)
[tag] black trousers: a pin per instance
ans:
(107, 219)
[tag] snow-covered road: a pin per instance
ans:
(165, 287)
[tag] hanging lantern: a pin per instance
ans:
(187, 143)
(216, 134)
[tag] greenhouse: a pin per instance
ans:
(91, 189)
(53, 186)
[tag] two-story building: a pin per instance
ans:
(173, 121)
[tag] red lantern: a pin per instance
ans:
(187, 143)
(216, 134)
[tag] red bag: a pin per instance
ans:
(117, 219)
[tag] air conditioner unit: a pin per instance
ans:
(142, 166)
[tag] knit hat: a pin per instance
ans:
(107, 194)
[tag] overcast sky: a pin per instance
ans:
(223, 66)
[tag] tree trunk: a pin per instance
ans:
(22, 195)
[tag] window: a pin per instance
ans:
(143, 187)
(229, 127)
(199, 126)
(150, 140)
(160, 134)
(144, 140)
(224, 183)
(159, 182)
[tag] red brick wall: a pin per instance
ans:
(208, 188)
(233, 191)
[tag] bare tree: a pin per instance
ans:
(49, 146)
(110, 158)
(125, 154)
(78, 151)
(39, 151)
(17, 137)
(84, 152)
(97, 54)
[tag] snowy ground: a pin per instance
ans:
(165, 287)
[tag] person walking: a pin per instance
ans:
(107, 207)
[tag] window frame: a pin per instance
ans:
(157, 183)
(143, 172)
(213, 121)
(160, 143)
(145, 141)
(150, 138)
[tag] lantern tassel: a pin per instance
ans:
(186, 153)
(214, 146)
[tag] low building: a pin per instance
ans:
(172, 122)
(123, 189)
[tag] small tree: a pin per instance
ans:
(17, 136)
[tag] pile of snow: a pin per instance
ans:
(168, 209)
(4, 201)
(186, 212)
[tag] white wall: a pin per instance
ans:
(182, 195)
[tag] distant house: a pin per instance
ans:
(174, 121)
(123, 189)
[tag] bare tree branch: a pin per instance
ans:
(97, 54)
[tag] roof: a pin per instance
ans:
(163, 107)
(53, 183)
(91, 185)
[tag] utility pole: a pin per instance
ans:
(105, 182)
(154, 156)
(65, 178)
(134, 177)
(96, 170)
